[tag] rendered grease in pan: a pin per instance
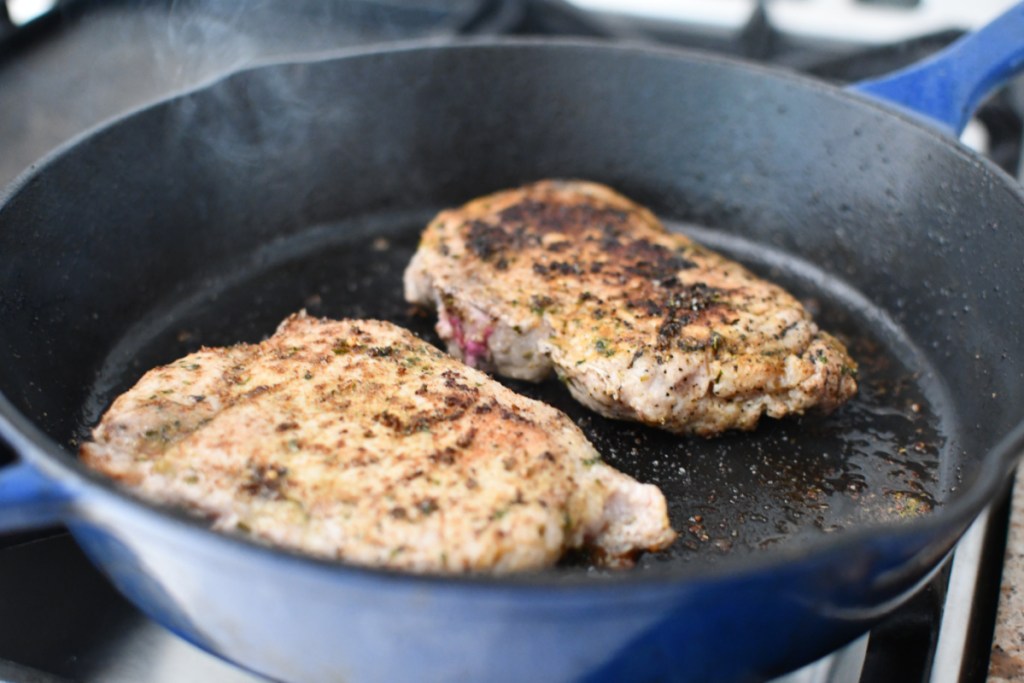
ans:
(877, 459)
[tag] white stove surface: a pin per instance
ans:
(843, 20)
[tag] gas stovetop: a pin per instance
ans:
(84, 62)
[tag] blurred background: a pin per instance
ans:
(66, 65)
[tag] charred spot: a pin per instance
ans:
(696, 297)
(459, 400)
(523, 236)
(648, 306)
(512, 415)
(265, 481)
(670, 329)
(680, 308)
(445, 456)
(485, 408)
(501, 264)
(465, 440)
(654, 261)
(398, 513)
(547, 455)
(540, 217)
(486, 240)
(552, 216)
(452, 381)
(525, 211)
(610, 235)
(389, 420)
(596, 267)
(554, 268)
(559, 247)
(381, 351)
(422, 391)
(286, 426)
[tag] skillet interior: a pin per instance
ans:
(788, 482)
(207, 219)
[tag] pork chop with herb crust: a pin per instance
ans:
(640, 323)
(358, 441)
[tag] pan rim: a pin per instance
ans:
(37, 448)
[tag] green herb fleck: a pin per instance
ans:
(604, 347)
(716, 341)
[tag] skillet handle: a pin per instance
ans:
(946, 88)
(29, 500)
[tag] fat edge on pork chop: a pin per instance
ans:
(355, 440)
(640, 323)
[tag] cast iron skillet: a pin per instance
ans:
(207, 218)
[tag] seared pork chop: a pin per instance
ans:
(356, 440)
(639, 322)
